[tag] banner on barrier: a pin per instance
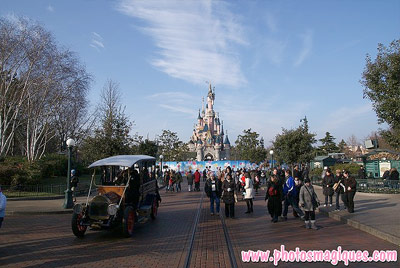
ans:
(185, 166)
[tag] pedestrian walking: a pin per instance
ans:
(274, 195)
(350, 191)
(197, 176)
(309, 202)
(179, 180)
(213, 190)
(3, 204)
(327, 187)
(189, 178)
(289, 192)
(74, 184)
(229, 196)
(249, 192)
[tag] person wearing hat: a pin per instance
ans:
(309, 202)
(3, 203)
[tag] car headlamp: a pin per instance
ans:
(112, 209)
(78, 208)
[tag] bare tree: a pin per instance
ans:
(42, 87)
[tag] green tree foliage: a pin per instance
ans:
(112, 136)
(342, 146)
(171, 147)
(146, 147)
(249, 147)
(381, 79)
(294, 145)
(328, 144)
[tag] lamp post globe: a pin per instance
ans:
(68, 203)
(271, 152)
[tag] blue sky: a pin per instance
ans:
(271, 62)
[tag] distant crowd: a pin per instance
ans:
(283, 189)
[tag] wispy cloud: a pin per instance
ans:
(307, 39)
(175, 101)
(344, 116)
(97, 41)
(196, 40)
(50, 8)
(271, 22)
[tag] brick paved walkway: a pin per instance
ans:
(209, 249)
(256, 232)
(47, 240)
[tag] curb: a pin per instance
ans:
(13, 213)
(35, 198)
(368, 229)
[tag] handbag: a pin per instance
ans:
(314, 201)
(335, 186)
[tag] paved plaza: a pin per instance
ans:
(183, 235)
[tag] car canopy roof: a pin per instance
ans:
(121, 160)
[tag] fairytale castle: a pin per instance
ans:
(208, 134)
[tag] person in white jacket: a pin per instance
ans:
(249, 195)
(3, 203)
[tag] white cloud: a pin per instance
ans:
(195, 39)
(341, 118)
(97, 41)
(179, 102)
(271, 22)
(50, 8)
(307, 39)
(275, 50)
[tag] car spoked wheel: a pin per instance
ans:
(77, 228)
(128, 224)
(154, 209)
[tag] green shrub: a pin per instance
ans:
(351, 167)
(316, 172)
(18, 171)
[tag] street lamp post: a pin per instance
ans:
(68, 203)
(271, 152)
(161, 158)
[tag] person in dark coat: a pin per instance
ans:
(274, 195)
(327, 186)
(361, 173)
(213, 189)
(338, 187)
(350, 190)
(189, 178)
(74, 184)
(394, 178)
(297, 173)
(228, 196)
(305, 172)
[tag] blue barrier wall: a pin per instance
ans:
(214, 165)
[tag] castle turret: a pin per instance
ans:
(227, 147)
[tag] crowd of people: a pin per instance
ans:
(283, 189)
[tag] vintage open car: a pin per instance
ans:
(125, 193)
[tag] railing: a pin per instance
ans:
(40, 190)
(368, 183)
